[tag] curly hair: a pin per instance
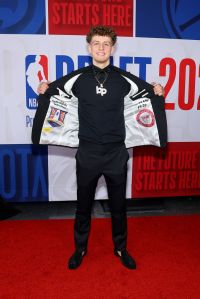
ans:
(102, 31)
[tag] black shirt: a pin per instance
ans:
(101, 118)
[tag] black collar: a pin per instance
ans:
(97, 70)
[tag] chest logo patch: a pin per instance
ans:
(56, 117)
(145, 118)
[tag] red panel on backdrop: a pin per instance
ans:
(76, 17)
(173, 171)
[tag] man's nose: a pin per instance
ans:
(101, 46)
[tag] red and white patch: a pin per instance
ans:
(145, 118)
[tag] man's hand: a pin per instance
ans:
(42, 87)
(158, 89)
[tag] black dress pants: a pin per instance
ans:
(92, 161)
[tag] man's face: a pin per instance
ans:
(101, 49)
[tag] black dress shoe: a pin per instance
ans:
(126, 259)
(76, 259)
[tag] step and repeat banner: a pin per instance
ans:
(44, 40)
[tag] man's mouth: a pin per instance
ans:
(100, 53)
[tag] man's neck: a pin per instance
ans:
(101, 65)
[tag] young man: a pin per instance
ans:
(98, 109)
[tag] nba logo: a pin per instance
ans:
(36, 72)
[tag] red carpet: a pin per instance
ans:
(33, 259)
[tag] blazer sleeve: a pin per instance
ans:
(158, 105)
(43, 105)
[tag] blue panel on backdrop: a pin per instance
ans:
(24, 173)
(22, 17)
(182, 18)
(168, 19)
(149, 19)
